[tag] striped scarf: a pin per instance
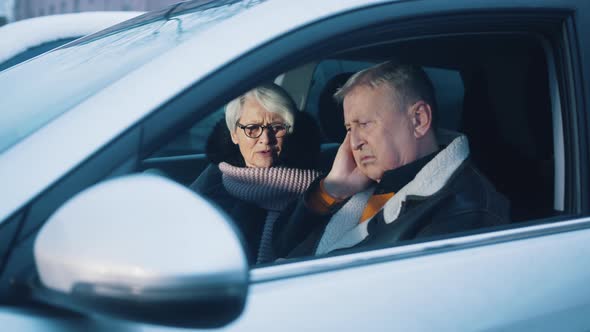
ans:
(269, 188)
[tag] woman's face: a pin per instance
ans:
(263, 151)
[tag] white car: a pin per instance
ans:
(22, 40)
(99, 138)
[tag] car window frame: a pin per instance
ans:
(292, 44)
(294, 268)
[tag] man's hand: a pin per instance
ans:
(345, 178)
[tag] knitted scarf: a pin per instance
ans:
(269, 188)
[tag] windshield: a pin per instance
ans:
(41, 89)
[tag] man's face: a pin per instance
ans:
(381, 136)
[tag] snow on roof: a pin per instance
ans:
(19, 36)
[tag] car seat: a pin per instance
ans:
(521, 170)
(331, 116)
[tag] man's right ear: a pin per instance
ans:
(421, 118)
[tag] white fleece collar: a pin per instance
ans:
(344, 231)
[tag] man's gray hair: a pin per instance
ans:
(409, 83)
(271, 97)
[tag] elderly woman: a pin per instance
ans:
(263, 156)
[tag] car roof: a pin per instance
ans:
(18, 37)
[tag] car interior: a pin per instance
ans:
(493, 88)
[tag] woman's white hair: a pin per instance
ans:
(271, 97)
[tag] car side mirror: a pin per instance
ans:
(143, 248)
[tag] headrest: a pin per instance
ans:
(330, 112)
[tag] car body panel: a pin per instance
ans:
(449, 288)
(449, 291)
(41, 34)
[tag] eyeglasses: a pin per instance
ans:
(255, 130)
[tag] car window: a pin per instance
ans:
(94, 64)
(485, 102)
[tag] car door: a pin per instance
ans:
(496, 280)
(530, 275)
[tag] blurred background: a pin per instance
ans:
(15, 10)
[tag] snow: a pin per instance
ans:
(19, 36)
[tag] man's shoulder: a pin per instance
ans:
(469, 191)
(470, 180)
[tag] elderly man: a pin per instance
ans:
(390, 180)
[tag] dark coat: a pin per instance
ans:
(468, 201)
(300, 150)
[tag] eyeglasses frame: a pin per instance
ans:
(243, 127)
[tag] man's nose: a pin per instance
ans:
(356, 141)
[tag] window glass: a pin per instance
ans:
(65, 77)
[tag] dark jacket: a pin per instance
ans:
(467, 201)
(300, 150)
